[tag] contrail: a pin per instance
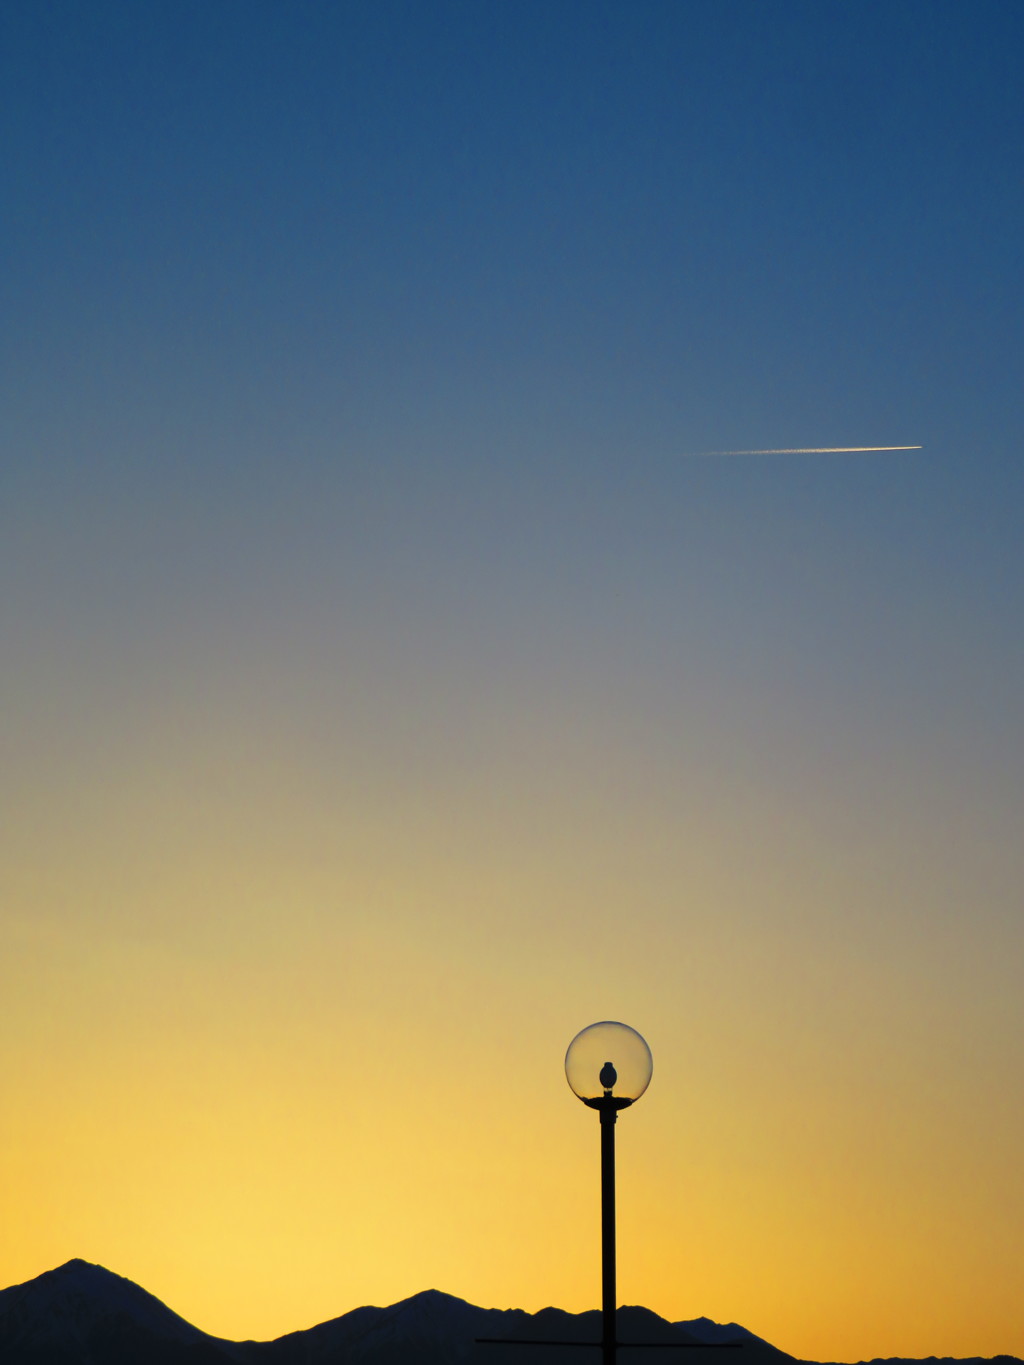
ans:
(807, 450)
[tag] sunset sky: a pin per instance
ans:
(390, 688)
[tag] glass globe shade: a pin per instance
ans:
(608, 1060)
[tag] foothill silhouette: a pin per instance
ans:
(83, 1314)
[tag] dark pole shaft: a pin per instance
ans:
(608, 1236)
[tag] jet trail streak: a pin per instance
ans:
(808, 450)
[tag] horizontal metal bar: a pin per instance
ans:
(528, 1341)
(630, 1345)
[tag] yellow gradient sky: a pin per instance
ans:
(385, 696)
(285, 1031)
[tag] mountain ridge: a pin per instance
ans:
(83, 1314)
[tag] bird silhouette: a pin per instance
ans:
(608, 1076)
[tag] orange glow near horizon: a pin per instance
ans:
(273, 1066)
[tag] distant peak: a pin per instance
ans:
(431, 1296)
(83, 1292)
(432, 1309)
(79, 1269)
(718, 1333)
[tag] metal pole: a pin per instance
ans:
(608, 1116)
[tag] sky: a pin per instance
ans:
(391, 686)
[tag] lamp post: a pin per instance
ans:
(608, 1066)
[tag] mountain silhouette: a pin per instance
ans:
(82, 1314)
